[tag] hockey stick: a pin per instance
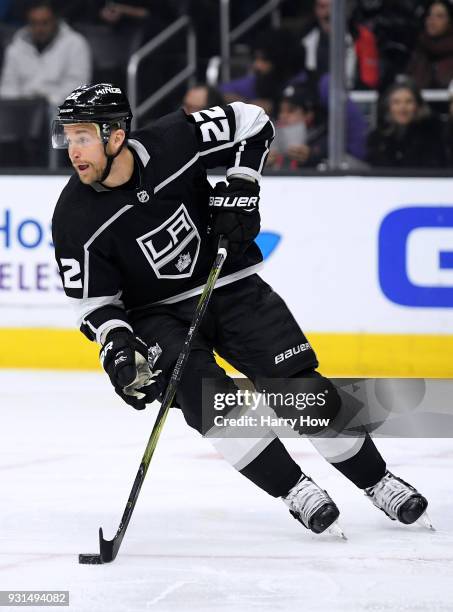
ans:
(109, 548)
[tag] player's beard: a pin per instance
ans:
(93, 174)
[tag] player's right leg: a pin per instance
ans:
(264, 460)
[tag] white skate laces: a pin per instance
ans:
(312, 506)
(390, 495)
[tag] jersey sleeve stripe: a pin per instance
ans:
(110, 324)
(85, 306)
(237, 161)
(263, 159)
(244, 170)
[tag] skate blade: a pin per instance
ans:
(337, 531)
(425, 521)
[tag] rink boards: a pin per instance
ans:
(365, 264)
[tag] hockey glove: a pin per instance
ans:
(128, 362)
(235, 214)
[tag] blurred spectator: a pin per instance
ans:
(362, 62)
(431, 65)
(277, 62)
(316, 41)
(410, 136)
(302, 127)
(201, 96)
(46, 58)
(395, 25)
(301, 130)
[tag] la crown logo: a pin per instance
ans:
(143, 196)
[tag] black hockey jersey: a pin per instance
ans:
(119, 250)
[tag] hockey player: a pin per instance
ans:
(131, 240)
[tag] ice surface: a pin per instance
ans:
(202, 537)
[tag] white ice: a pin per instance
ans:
(202, 537)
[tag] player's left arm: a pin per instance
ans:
(236, 136)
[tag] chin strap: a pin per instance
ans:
(110, 160)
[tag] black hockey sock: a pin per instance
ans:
(273, 470)
(366, 467)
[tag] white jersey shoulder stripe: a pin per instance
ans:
(140, 150)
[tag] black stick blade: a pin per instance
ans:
(107, 547)
(90, 559)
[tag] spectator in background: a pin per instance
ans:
(301, 130)
(316, 41)
(46, 58)
(410, 136)
(201, 96)
(277, 62)
(431, 65)
(395, 26)
(362, 58)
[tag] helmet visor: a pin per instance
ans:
(65, 134)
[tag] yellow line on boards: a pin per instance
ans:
(339, 354)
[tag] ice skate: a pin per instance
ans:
(399, 500)
(313, 507)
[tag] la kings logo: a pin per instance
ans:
(172, 248)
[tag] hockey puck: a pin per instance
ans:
(90, 559)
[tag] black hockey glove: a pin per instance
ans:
(235, 214)
(128, 362)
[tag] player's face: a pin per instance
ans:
(402, 107)
(86, 151)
